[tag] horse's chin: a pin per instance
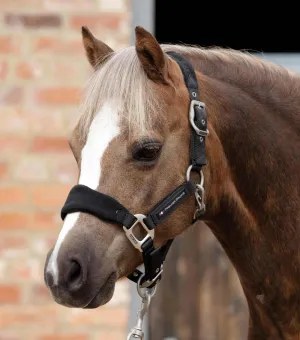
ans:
(104, 295)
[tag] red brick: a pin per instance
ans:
(3, 69)
(35, 160)
(19, 4)
(11, 335)
(31, 168)
(105, 21)
(59, 96)
(46, 120)
(13, 144)
(25, 70)
(111, 334)
(49, 195)
(11, 318)
(9, 294)
(65, 70)
(39, 294)
(115, 317)
(20, 271)
(55, 45)
(60, 336)
(70, 4)
(15, 220)
(33, 20)
(13, 120)
(3, 171)
(64, 169)
(13, 246)
(45, 220)
(12, 242)
(13, 195)
(7, 45)
(50, 144)
(59, 70)
(12, 96)
(28, 220)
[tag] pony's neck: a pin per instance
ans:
(253, 200)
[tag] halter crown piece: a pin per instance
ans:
(83, 199)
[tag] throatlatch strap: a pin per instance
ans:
(82, 198)
(197, 146)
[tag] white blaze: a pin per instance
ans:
(103, 130)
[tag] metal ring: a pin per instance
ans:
(188, 175)
(202, 178)
(151, 291)
(188, 172)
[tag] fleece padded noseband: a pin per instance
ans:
(82, 198)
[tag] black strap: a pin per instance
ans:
(197, 145)
(166, 206)
(82, 198)
(153, 261)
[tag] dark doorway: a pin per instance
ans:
(245, 25)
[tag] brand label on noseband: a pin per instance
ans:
(160, 214)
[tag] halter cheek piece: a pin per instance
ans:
(83, 199)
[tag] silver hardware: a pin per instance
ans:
(148, 283)
(194, 94)
(146, 295)
(203, 121)
(141, 289)
(192, 117)
(188, 175)
(199, 193)
(201, 139)
(136, 242)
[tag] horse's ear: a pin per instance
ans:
(95, 49)
(150, 55)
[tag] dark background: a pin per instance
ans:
(246, 25)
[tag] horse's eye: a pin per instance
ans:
(146, 152)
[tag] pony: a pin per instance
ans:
(132, 142)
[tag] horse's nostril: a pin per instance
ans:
(75, 276)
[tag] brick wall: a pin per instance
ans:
(42, 71)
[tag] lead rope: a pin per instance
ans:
(146, 295)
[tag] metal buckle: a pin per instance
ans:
(199, 132)
(136, 242)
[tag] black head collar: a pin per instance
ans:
(83, 199)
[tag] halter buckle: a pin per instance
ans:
(201, 105)
(131, 237)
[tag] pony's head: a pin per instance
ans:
(131, 143)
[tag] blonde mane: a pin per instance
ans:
(123, 82)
